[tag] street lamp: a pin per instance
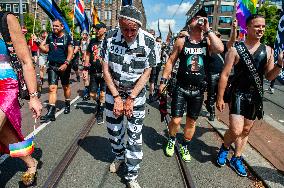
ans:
(21, 13)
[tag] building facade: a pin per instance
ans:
(221, 13)
(14, 6)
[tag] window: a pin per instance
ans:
(8, 7)
(223, 19)
(209, 9)
(227, 8)
(210, 19)
(106, 2)
(225, 31)
(24, 8)
(110, 1)
(99, 14)
(109, 14)
(16, 8)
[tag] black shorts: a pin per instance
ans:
(54, 75)
(154, 74)
(243, 103)
(34, 53)
(193, 99)
(96, 81)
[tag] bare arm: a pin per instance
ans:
(141, 82)
(22, 52)
(76, 49)
(87, 59)
(173, 57)
(70, 53)
(233, 36)
(272, 70)
(43, 46)
(215, 43)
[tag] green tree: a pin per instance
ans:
(29, 23)
(66, 10)
(271, 14)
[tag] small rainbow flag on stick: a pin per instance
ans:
(245, 8)
(23, 148)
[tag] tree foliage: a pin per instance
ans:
(29, 23)
(271, 14)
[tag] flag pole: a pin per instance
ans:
(34, 22)
(73, 20)
(92, 16)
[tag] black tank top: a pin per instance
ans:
(244, 82)
(191, 69)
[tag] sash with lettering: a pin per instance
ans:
(257, 83)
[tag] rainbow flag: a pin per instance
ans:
(23, 148)
(245, 8)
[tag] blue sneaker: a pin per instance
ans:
(222, 156)
(237, 164)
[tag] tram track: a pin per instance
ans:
(58, 171)
(185, 173)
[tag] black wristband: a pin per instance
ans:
(116, 96)
(279, 66)
(86, 68)
(163, 81)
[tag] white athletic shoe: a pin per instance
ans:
(114, 166)
(271, 90)
(133, 184)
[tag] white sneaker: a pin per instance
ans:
(133, 184)
(114, 166)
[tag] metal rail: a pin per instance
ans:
(60, 168)
(186, 176)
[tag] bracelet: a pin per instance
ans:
(34, 94)
(279, 66)
(209, 31)
(116, 96)
(163, 81)
(66, 62)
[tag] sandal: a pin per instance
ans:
(30, 179)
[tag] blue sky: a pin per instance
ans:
(165, 10)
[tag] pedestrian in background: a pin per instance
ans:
(128, 54)
(59, 47)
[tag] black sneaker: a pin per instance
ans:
(100, 118)
(211, 117)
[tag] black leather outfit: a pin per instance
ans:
(190, 80)
(243, 101)
(54, 74)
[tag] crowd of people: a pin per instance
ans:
(116, 66)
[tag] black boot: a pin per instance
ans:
(100, 113)
(67, 107)
(50, 115)
(212, 113)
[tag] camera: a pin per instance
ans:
(200, 21)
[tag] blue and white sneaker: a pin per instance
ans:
(237, 164)
(222, 156)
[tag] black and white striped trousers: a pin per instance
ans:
(132, 151)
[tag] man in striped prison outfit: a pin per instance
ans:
(128, 54)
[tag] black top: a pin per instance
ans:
(216, 61)
(191, 69)
(58, 48)
(244, 82)
(94, 50)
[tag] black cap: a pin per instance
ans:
(201, 12)
(99, 25)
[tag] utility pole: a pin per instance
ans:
(21, 13)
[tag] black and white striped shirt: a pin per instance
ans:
(127, 62)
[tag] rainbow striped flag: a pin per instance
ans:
(245, 8)
(23, 148)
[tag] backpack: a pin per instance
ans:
(14, 62)
(65, 39)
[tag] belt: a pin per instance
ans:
(190, 87)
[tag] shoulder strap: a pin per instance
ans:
(247, 58)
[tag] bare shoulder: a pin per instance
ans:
(179, 43)
(11, 19)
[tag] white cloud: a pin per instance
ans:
(182, 10)
(164, 26)
(157, 7)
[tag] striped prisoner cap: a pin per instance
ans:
(131, 13)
